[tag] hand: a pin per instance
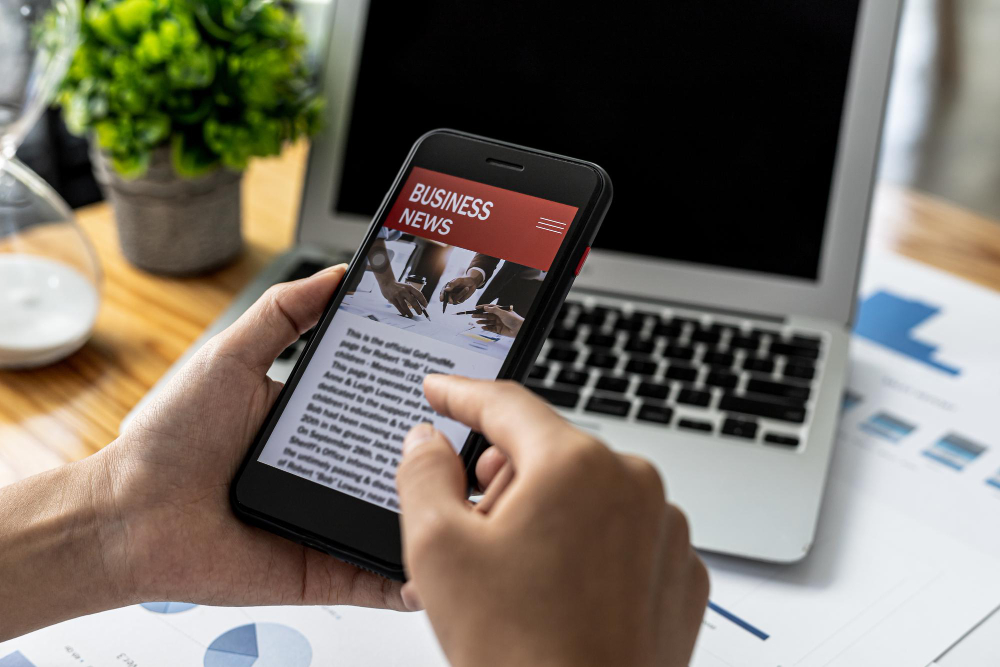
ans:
(499, 320)
(169, 473)
(580, 561)
(457, 290)
(404, 297)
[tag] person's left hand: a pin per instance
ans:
(168, 476)
(499, 320)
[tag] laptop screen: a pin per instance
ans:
(718, 120)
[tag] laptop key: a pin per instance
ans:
(694, 397)
(610, 383)
(718, 359)
(802, 340)
(668, 329)
(538, 372)
(761, 408)
(739, 428)
(695, 425)
(706, 336)
(608, 406)
(560, 333)
(601, 340)
(566, 355)
(740, 342)
(759, 386)
(724, 379)
(653, 390)
(633, 322)
(651, 412)
(641, 366)
(679, 352)
(789, 350)
(601, 360)
(564, 398)
(682, 372)
(594, 317)
(758, 365)
(640, 344)
(800, 371)
(571, 376)
(778, 439)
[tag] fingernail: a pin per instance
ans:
(331, 269)
(411, 598)
(417, 436)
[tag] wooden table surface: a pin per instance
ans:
(71, 409)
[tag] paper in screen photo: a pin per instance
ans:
(344, 424)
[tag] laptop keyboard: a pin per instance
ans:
(712, 375)
(690, 371)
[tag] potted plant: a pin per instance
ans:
(177, 97)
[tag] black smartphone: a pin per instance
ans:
(489, 236)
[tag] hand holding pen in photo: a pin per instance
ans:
(499, 320)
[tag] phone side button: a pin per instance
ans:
(583, 258)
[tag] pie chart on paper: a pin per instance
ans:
(259, 645)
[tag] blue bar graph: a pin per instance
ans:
(889, 320)
(885, 426)
(954, 451)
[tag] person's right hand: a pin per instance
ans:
(498, 320)
(404, 297)
(580, 561)
(457, 290)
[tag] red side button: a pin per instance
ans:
(583, 258)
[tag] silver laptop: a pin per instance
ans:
(708, 331)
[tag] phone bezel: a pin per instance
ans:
(355, 530)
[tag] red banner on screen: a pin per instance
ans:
(482, 218)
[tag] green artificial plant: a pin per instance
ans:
(220, 81)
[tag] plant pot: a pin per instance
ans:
(172, 225)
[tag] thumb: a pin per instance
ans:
(431, 486)
(282, 314)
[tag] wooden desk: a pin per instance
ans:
(73, 408)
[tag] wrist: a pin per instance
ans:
(112, 525)
(54, 555)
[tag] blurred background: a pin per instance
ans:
(942, 129)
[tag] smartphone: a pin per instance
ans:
(462, 271)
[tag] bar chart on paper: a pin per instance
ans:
(883, 425)
(890, 320)
(954, 451)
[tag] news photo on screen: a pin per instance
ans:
(477, 254)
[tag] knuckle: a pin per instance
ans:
(649, 480)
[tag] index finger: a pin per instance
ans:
(516, 421)
(417, 294)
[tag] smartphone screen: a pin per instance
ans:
(476, 255)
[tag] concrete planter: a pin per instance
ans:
(172, 225)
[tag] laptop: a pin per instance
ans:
(708, 331)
